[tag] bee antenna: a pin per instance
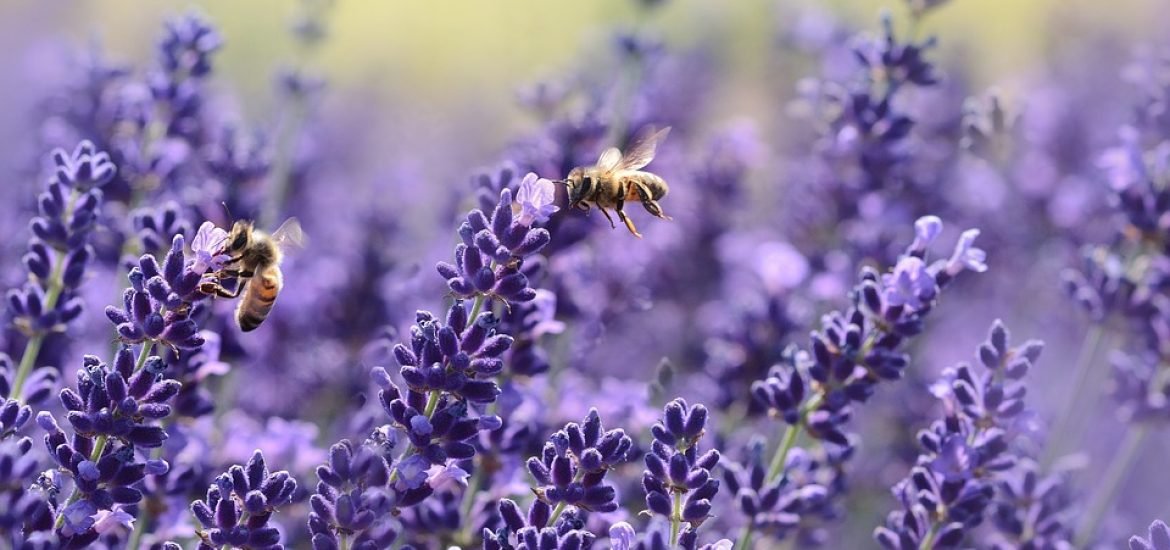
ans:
(227, 210)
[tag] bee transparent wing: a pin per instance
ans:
(642, 151)
(289, 235)
(609, 160)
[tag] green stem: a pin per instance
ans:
(477, 306)
(1075, 397)
(31, 350)
(776, 469)
(745, 537)
(1111, 483)
(928, 541)
(781, 456)
(139, 529)
(675, 519)
(147, 348)
(344, 541)
(560, 509)
(432, 404)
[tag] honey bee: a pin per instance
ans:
(255, 261)
(617, 179)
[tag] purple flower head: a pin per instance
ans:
(489, 260)
(446, 478)
(572, 466)
(966, 255)
(1158, 538)
(926, 230)
(911, 285)
(1034, 510)
(540, 528)
(621, 536)
(453, 357)
(187, 46)
(966, 457)
(59, 251)
(110, 521)
(352, 498)
(209, 249)
(79, 517)
(85, 169)
(534, 200)
(678, 481)
(159, 303)
(238, 505)
(155, 227)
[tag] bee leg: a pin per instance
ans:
(653, 208)
(237, 273)
(581, 206)
(214, 288)
(626, 219)
(650, 204)
(611, 224)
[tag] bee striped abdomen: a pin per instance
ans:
(259, 298)
(645, 182)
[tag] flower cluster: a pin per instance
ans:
(352, 499)
(159, 303)
(678, 481)
(114, 410)
(951, 489)
(572, 466)
(467, 413)
(454, 357)
(488, 261)
(184, 60)
(537, 530)
(58, 251)
(854, 351)
(238, 505)
(1032, 510)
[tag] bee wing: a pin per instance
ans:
(289, 235)
(642, 151)
(609, 160)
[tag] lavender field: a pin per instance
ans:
(330, 274)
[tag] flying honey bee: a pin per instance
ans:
(255, 261)
(617, 179)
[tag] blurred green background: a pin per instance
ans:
(431, 53)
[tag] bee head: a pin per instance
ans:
(579, 185)
(240, 237)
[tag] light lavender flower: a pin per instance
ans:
(534, 200)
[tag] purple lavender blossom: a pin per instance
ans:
(352, 501)
(1158, 538)
(238, 506)
(488, 261)
(678, 481)
(534, 200)
(951, 488)
(572, 466)
(157, 307)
